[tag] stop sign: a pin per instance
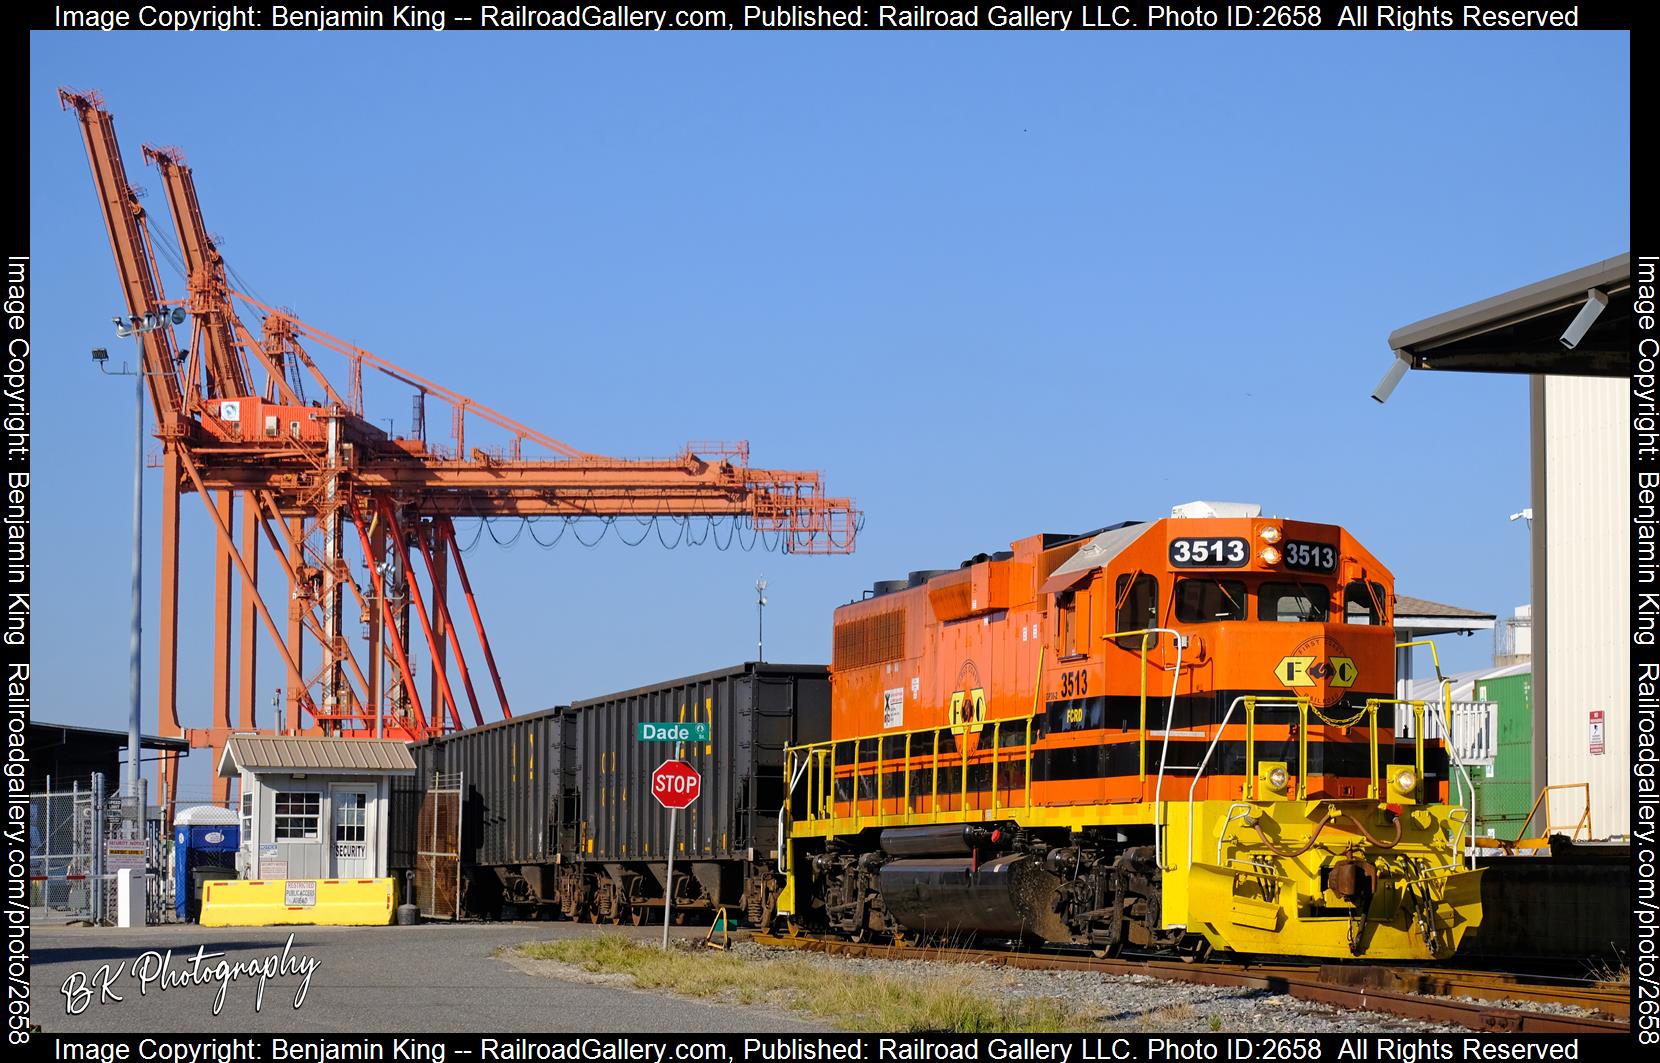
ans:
(675, 784)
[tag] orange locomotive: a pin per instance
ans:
(1176, 735)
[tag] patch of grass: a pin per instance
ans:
(954, 1002)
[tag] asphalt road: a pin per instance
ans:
(432, 978)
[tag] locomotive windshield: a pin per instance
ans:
(1293, 602)
(1205, 601)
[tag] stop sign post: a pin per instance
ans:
(675, 784)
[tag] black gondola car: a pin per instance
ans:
(557, 811)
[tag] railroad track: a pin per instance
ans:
(1429, 994)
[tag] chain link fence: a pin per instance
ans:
(80, 839)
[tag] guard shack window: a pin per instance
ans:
(297, 816)
(1138, 610)
(1205, 601)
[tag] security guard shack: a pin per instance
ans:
(313, 808)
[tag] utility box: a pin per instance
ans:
(205, 842)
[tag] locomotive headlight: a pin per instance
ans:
(1278, 778)
(1269, 535)
(1269, 556)
(1406, 781)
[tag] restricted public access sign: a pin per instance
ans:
(675, 784)
(672, 732)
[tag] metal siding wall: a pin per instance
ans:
(1587, 469)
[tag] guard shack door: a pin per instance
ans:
(352, 830)
(438, 850)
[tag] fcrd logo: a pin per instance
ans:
(1318, 669)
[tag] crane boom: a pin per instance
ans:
(124, 218)
(322, 490)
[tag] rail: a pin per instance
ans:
(1474, 999)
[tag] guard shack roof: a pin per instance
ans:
(1521, 331)
(315, 755)
(1422, 617)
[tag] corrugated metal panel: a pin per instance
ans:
(1588, 516)
(1504, 796)
(754, 711)
(518, 779)
(322, 755)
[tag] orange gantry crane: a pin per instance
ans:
(288, 467)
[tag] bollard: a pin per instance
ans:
(129, 898)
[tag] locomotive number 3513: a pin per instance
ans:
(1208, 553)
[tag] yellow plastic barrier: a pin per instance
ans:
(320, 901)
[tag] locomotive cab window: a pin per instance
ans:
(1293, 602)
(1363, 603)
(1138, 609)
(1071, 625)
(1205, 601)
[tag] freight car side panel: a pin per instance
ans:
(518, 785)
(753, 711)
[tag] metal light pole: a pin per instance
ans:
(136, 327)
(135, 648)
(760, 619)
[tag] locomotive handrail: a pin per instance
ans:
(1251, 702)
(1169, 721)
(821, 778)
(788, 791)
(1446, 727)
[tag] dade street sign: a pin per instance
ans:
(672, 732)
(675, 784)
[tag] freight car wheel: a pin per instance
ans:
(637, 915)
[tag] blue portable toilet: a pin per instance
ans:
(205, 841)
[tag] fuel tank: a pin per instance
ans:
(1007, 896)
(945, 839)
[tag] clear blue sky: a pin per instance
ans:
(991, 284)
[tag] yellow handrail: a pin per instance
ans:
(1584, 822)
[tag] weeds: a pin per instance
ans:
(947, 1002)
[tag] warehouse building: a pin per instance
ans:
(1572, 334)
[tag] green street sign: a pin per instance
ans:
(673, 732)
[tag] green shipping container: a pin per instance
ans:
(1504, 791)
